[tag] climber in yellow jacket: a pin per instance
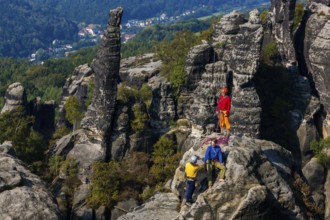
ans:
(191, 170)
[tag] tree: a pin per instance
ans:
(15, 126)
(73, 111)
(165, 159)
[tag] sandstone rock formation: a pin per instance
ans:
(15, 97)
(260, 184)
(315, 175)
(91, 143)
(76, 85)
(282, 15)
(317, 53)
(160, 206)
(138, 70)
(22, 194)
(236, 45)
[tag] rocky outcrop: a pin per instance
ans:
(22, 194)
(160, 206)
(261, 183)
(237, 45)
(44, 113)
(14, 98)
(76, 85)
(315, 175)
(163, 106)
(282, 15)
(91, 143)
(138, 70)
(317, 53)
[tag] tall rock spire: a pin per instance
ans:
(106, 68)
(91, 142)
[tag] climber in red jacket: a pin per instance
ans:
(223, 110)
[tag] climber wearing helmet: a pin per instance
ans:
(222, 110)
(213, 158)
(191, 172)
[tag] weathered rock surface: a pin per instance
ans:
(237, 45)
(160, 206)
(163, 107)
(91, 143)
(76, 85)
(258, 184)
(22, 194)
(137, 70)
(315, 175)
(317, 54)
(14, 98)
(282, 15)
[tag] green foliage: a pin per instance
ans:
(173, 54)
(165, 159)
(140, 118)
(90, 93)
(96, 11)
(145, 94)
(44, 80)
(125, 93)
(67, 168)
(118, 181)
(298, 14)
(263, 17)
(15, 126)
(59, 133)
(146, 40)
(54, 165)
(27, 26)
(269, 53)
(73, 110)
(320, 149)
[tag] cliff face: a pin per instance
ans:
(22, 194)
(261, 183)
(282, 15)
(76, 85)
(91, 143)
(236, 45)
(317, 54)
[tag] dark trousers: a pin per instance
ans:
(190, 190)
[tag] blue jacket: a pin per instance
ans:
(213, 153)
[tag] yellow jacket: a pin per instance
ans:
(191, 170)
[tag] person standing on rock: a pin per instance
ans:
(191, 170)
(222, 110)
(213, 159)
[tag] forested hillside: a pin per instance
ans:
(26, 26)
(96, 11)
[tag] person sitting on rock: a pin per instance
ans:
(222, 110)
(213, 159)
(191, 170)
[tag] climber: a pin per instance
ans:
(213, 158)
(222, 111)
(191, 173)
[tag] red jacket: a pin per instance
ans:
(223, 104)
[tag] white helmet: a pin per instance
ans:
(194, 159)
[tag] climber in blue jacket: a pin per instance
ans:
(213, 158)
